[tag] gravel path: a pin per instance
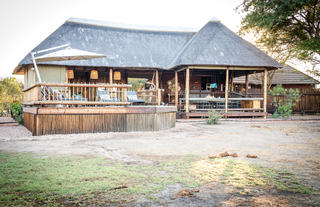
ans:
(291, 144)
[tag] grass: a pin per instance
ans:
(26, 180)
(242, 174)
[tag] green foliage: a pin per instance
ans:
(10, 91)
(283, 100)
(137, 83)
(286, 29)
(17, 111)
(214, 117)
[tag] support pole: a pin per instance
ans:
(157, 79)
(176, 85)
(265, 81)
(187, 89)
(36, 67)
(226, 90)
(247, 83)
(110, 76)
(232, 85)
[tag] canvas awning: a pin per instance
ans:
(68, 54)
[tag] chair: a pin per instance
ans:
(133, 98)
(104, 95)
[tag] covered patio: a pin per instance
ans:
(211, 88)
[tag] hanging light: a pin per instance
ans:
(117, 75)
(94, 74)
(70, 74)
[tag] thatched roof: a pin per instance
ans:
(285, 75)
(215, 44)
(123, 47)
(136, 47)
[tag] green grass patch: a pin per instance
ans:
(28, 180)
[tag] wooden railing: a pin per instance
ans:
(76, 94)
(152, 97)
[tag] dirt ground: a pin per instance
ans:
(294, 145)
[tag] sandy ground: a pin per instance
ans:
(291, 144)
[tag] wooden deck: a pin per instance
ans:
(67, 120)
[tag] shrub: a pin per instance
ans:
(214, 117)
(17, 111)
(283, 100)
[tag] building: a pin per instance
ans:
(287, 76)
(192, 70)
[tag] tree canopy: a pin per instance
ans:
(286, 29)
(10, 91)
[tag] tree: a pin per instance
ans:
(10, 91)
(285, 29)
(284, 100)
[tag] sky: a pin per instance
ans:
(26, 23)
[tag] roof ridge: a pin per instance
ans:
(130, 26)
(171, 65)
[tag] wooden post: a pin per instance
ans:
(265, 80)
(124, 94)
(110, 76)
(226, 90)
(159, 97)
(187, 89)
(157, 79)
(232, 75)
(247, 84)
(176, 84)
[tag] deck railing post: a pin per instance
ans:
(158, 97)
(124, 94)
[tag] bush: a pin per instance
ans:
(283, 100)
(214, 117)
(17, 111)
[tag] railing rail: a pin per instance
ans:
(84, 94)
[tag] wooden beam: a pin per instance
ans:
(225, 67)
(247, 84)
(182, 69)
(265, 80)
(209, 67)
(244, 68)
(51, 102)
(110, 76)
(187, 91)
(226, 90)
(106, 110)
(176, 85)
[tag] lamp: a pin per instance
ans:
(70, 74)
(117, 75)
(94, 74)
